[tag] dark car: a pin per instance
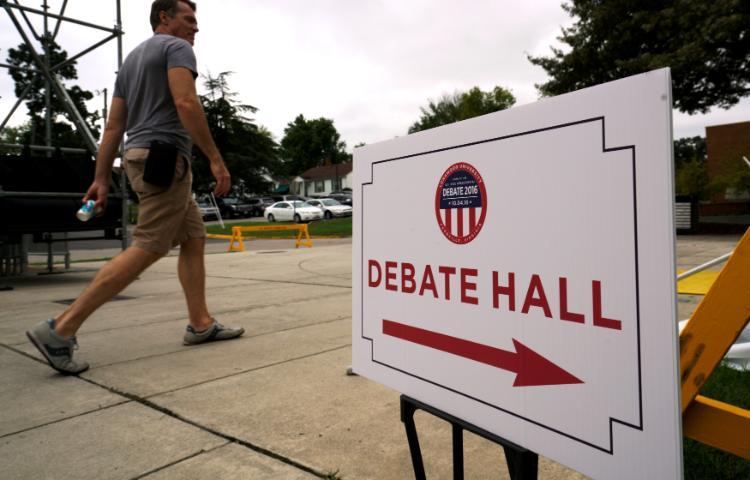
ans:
(257, 206)
(343, 197)
(234, 207)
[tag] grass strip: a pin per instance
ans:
(701, 461)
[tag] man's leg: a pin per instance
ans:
(192, 272)
(117, 274)
(55, 338)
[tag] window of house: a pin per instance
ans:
(319, 185)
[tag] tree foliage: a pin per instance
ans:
(689, 149)
(691, 168)
(691, 178)
(17, 135)
(248, 150)
(63, 132)
(705, 43)
(734, 178)
(461, 106)
(311, 143)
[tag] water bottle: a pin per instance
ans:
(85, 213)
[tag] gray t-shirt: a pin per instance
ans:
(142, 82)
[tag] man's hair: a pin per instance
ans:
(169, 6)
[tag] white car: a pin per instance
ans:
(331, 208)
(292, 211)
(207, 210)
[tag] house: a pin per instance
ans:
(284, 185)
(321, 181)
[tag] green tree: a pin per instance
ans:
(691, 168)
(63, 133)
(17, 135)
(691, 178)
(705, 43)
(460, 106)
(311, 143)
(249, 150)
(688, 149)
(734, 178)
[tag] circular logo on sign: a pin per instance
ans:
(461, 203)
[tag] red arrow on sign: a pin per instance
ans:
(531, 369)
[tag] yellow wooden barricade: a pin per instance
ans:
(711, 331)
(237, 244)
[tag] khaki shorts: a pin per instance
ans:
(167, 216)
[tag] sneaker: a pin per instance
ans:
(57, 350)
(213, 333)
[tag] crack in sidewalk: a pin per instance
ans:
(249, 370)
(166, 411)
(59, 420)
(183, 349)
(290, 282)
(230, 438)
(178, 461)
(218, 312)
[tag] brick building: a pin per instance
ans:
(726, 145)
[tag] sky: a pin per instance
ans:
(369, 65)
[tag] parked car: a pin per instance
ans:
(331, 208)
(257, 206)
(343, 197)
(292, 211)
(234, 207)
(207, 210)
(268, 201)
(288, 198)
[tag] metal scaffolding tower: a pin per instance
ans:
(53, 83)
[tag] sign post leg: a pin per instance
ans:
(458, 452)
(522, 464)
(407, 417)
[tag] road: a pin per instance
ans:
(82, 250)
(102, 244)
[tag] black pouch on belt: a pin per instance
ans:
(160, 164)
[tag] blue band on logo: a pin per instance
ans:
(461, 190)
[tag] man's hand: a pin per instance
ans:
(223, 179)
(98, 192)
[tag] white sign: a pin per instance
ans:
(516, 270)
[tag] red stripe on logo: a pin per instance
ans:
(448, 219)
(472, 219)
(460, 222)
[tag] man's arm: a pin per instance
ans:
(105, 157)
(193, 119)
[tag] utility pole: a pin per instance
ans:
(123, 179)
(46, 41)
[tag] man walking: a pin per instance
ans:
(155, 101)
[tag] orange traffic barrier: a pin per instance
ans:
(237, 242)
(711, 331)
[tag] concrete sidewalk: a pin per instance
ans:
(276, 403)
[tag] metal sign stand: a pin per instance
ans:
(522, 463)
